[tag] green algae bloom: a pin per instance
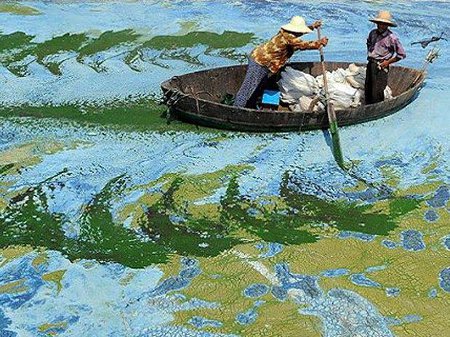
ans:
(17, 50)
(170, 228)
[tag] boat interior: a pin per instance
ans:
(221, 84)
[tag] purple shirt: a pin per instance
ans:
(383, 46)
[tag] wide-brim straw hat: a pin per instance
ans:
(384, 17)
(297, 25)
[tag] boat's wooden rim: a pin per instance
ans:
(166, 85)
(194, 107)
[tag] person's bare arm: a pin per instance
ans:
(386, 63)
(308, 45)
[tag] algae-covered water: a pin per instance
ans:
(115, 221)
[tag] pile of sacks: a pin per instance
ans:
(345, 87)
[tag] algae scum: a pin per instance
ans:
(172, 228)
(18, 52)
(116, 220)
(18, 46)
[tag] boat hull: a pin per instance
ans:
(196, 98)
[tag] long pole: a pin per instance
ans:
(337, 151)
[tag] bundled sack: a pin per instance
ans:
(298, 89)
(356, 76)
(345, 86)
(337, 76)
(343, 96)
(295, 84)
(341, 99)
(305, 102)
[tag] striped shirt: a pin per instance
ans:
(384, 46)
(275, 53)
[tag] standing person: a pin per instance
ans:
(383, 49)
(267, 59)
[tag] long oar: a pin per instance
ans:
(337, 151)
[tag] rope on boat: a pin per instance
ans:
(171, 100)
(195, 95)
(172, 97)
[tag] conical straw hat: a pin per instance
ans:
(384, 17)
(297, 25)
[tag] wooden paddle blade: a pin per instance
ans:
(332, 120)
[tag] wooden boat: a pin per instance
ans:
(196, 98)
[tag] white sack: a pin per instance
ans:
(342, 95)
(346, 88)
(304, 104)
(357, 81)
(295, 84)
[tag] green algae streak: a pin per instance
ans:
(59, 44)
(5, 168)
(17, 46)
(14, 41)
(27, 221)
(52, 329)
(17, 50)
(14, 48)
(103, 240)
(18, 9)
(171, 229)
(55, 277)
(211, 40)
(144, 113)
(104, 42)
(177, 47)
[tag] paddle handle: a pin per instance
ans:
(331, 114)
(337, 151)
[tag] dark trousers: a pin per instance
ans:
(376, 82)
(255, 79)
